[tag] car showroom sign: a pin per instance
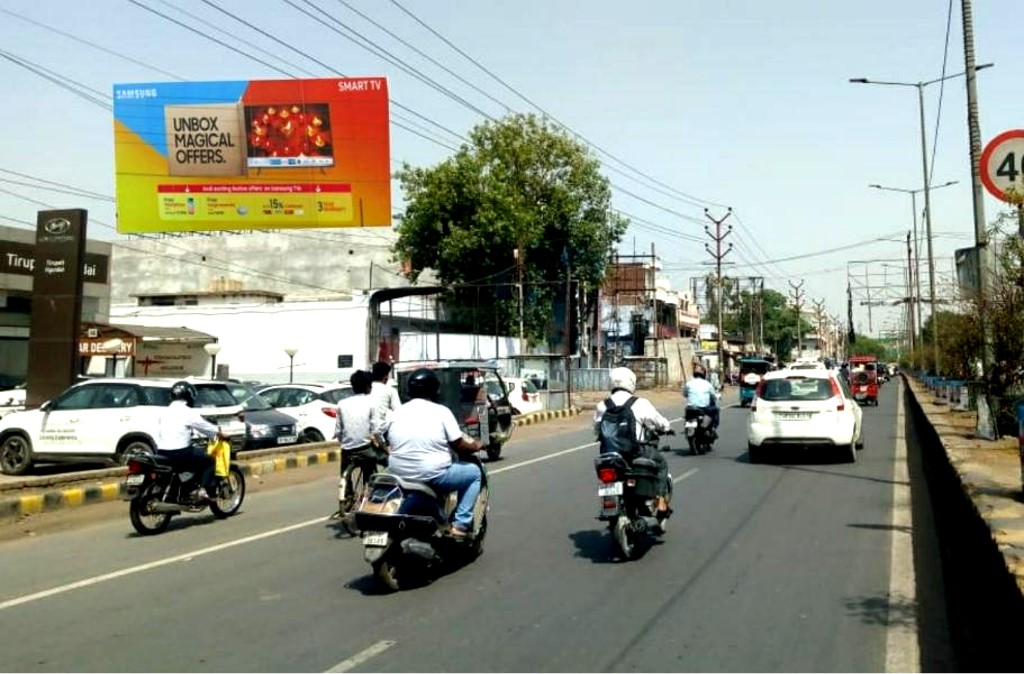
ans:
(1002, 166)
(269, 154)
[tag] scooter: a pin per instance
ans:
(627, 496)
(406, 529)
(699, 434)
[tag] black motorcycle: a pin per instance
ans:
(699, 434)
(406, 530)
(158, 490)
(627, 494)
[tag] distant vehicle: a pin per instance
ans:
(523, 395)
(313, 406)
(264, 425)
(804, 408)
(108, 419)
(751, 371)
(475, 393)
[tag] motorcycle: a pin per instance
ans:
(406, 530)
(627, 496)
(699, 434)
(158, 491)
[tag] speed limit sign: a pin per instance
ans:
(1002, 166)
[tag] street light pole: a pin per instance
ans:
(291, 351)
(927, 199)
(917, 241)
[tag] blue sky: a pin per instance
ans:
(742, 103)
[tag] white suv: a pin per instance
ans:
(105, 419)
(803, 407)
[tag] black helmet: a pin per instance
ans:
(182, 390)
(423, 383)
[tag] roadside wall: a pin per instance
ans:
(984, 604)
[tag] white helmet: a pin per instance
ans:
(623, 378)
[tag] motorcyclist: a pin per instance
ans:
(422, 435)
(648, 420)
(700, 394)
(383, 399)
(175, 432)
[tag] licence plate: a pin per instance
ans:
(286, 439)
(133, 480)
(613, 489)
(375, 539)
(794, 416)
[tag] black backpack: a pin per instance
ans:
(617, 431)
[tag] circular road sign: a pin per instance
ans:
(1002, 165)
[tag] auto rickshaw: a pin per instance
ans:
(751, 371)
(864, 379)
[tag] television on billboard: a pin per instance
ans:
(261, 154)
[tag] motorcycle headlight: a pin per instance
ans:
(260, 430)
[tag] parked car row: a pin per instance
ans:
(109, 419)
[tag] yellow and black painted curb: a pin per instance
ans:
(538, 417)
(59, 498)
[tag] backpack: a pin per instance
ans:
(617, 430)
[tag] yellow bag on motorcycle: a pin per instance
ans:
(220, 450)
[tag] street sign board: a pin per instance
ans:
(1002, 166)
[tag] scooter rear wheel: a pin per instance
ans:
(387, 573)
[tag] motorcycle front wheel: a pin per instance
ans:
(230, 494)
(145, 521)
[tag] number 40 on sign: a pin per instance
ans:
(1002, 166)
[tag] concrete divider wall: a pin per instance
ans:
(984, 605)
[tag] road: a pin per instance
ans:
(770, 567)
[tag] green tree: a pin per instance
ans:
(869, 346)
(519, 183)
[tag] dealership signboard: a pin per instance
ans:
(267, 154)
(56, 303)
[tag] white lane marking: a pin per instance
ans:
(188, 556)
(61, 589)
(902, 650)
(362, 656)
(685, 475)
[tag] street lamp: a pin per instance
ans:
(212, 349)
(927, 199)
(917, 243)
(291, 351)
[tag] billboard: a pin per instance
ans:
(261, 154)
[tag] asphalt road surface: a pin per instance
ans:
(782, 566)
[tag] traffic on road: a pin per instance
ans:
(796, 550)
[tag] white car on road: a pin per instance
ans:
(523, 395)
(107, 420)
(313, 406)
(801, 408)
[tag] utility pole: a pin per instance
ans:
(654, 298)
(910, 301)
(819, 319)
(718, 237)
(797, 293)
(522, 307)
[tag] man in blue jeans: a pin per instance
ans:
(422, 434)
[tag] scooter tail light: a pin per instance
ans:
(607, 475)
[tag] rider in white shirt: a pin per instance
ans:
(701, 394)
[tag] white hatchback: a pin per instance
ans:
(523, 395)
(313, 406)
(802, 408)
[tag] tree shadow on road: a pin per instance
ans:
(883, 610)
(902, 528)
